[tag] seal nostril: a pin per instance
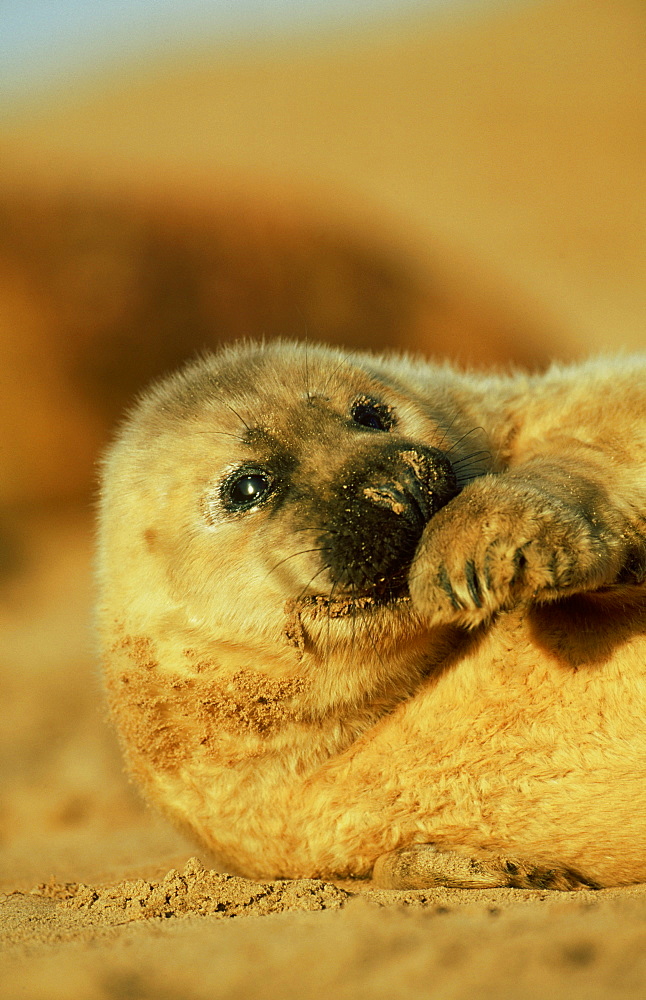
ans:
(417, 497)
(392, 497)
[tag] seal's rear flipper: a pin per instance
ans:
(422, 866)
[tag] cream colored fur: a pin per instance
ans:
(296, 731)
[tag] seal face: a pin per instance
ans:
(324, 476)
(332, 591)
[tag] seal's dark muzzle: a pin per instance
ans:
(377, 510)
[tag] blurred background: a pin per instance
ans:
(461, 178)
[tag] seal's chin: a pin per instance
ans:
(365, 621)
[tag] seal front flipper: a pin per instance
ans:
(422, 866)
(540, 532)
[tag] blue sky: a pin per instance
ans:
(43, 40)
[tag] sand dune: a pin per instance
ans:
(511, 140)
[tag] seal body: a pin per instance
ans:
(367, 611)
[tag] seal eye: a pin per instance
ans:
(246, 490)
(371, 413)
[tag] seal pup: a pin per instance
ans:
(369, 614)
